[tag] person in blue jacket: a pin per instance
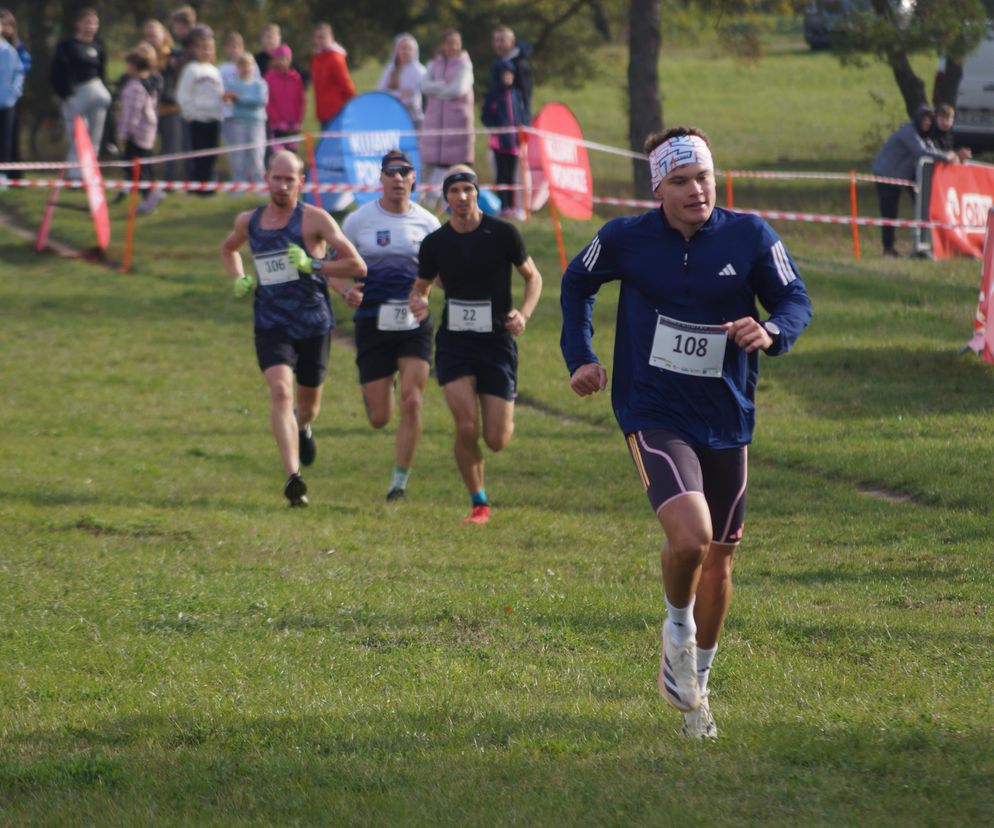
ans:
(686, 364)
(8, 31)
(11, 88)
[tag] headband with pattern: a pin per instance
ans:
(459, 176)
(678, 152)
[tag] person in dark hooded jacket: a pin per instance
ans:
(507, 49)
(898, 158)
(505, 107)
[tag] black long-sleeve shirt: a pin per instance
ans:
(75, 63)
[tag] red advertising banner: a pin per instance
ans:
(564, 162)
(983, 323)
(960, 194)
(93, 182)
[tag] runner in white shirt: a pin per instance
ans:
(389, 340)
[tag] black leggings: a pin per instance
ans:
(890, 199)
(507, 166)
(204, 135)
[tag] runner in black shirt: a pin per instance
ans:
(476, 357)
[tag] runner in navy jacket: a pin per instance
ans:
(686, 363)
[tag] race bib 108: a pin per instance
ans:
(688, 348)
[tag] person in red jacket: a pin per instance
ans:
(287, 101)
(333, 87)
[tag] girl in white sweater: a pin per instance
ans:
(200, 96)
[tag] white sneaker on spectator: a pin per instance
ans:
(149, 204)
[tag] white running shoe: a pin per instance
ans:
(149, 204)
(699, 723)
(678, 673)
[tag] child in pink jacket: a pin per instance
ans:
(287, 100)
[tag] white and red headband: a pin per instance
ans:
(678, 152)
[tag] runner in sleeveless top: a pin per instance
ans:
(476, 357)
(293, 318)
(389, 341)
(686, 363)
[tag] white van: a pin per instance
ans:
(974, 124)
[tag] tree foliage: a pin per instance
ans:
(887, 30)
(562, 33)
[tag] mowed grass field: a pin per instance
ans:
(180, 648)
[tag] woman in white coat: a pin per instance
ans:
(402, 76)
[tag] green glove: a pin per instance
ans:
(299, 258)
(243, 286)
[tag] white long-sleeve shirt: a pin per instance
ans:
(199, 93)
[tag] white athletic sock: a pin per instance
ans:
(400, 476)
(681, 621)
(704, 659)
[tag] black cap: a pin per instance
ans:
(395, 157)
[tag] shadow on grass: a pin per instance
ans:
(480, 767)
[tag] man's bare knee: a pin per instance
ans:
(377, 409)
(688, 544)
(498, 440)
(410, 404)
(281, 394)
(308, 412)
(718, 563)
(467, 429)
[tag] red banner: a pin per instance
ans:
(960, 194)
(983, 323)
(93, 181)
(564, 162)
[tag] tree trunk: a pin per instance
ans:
(912, 87)
(645, 111)
(947, 88)
(39, 95)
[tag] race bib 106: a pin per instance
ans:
(471, 316)
(395, 315)
(688, 348)
(274, 268)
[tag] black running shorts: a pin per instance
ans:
(492, 360)
(670, 467)
(307, 357)
(377, 351)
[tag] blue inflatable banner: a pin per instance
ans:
(375, 123)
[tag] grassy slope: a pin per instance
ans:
(179, 649)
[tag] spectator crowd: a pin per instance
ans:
(175, 95)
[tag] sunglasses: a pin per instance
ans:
(401, 171)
